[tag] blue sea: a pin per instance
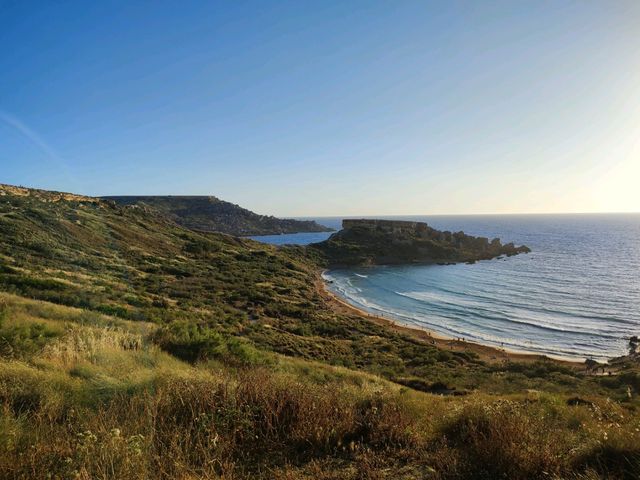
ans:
(577, 295)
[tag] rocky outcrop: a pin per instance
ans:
(379, 242)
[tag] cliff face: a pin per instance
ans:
(380, 242)
(211, 214)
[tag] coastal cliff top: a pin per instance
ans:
(380, 242)
(44, 195)
(210, 214)
(201, 213)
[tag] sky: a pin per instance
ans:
(321, 108)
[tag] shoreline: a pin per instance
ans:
(486, 353)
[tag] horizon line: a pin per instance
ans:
(629, 212)
(459, 214)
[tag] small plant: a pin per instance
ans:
(4, 312)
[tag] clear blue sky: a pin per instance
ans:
(327, 108)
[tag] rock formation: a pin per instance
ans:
(379, 242)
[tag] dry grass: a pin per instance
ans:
(215, 427)
(257, 423)
(100, 401)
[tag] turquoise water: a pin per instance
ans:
(296, 238)
(577, 295)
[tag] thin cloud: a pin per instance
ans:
(36, 140)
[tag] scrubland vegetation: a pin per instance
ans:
(101, 400)
(131, 348)
(210, 214)
(384, 242)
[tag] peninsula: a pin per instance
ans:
(386, 242)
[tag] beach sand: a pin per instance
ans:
(485, 352)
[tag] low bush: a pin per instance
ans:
(197, 342)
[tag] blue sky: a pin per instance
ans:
(327, 108)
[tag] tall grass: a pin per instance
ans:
(99, 398)
(215, 422)
(233, 426)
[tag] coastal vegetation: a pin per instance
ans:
(132, 347)
(210, 214)
(379, 242)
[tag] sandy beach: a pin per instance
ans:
(486, 353)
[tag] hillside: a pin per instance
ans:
(133, 263)
(131, 347)
(210, 214)
(382, 242)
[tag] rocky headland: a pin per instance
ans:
(388, 242)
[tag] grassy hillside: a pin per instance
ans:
(97, 398)
(131, 347)
(211, 214)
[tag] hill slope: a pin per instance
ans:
(211, 214)
(131, 347)
(135, 264)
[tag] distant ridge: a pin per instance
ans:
(210, 214)
(44, 195)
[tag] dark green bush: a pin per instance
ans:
(196, 342)
(25, 339)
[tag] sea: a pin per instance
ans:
(575, 296)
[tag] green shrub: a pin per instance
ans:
(196, 342)
(7, 269)
(4, 312)
(26, 339)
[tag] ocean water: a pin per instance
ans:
(577, 295)
(298, 238)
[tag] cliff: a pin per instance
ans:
(380, 242)
(210, 214)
